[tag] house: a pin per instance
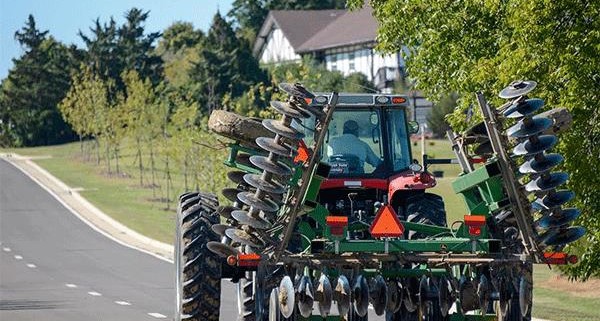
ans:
(342, 40)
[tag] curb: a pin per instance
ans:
(87, 212)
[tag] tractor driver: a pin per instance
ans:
(349, 144)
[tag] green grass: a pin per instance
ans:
(124, 199)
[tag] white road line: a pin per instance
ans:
(18, 257)
(94, 293)
(6, 249)
(70, 285)
(157, 315)
(31, 265)
(122, 303)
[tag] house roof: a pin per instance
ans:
(297, 25)
(315, 30)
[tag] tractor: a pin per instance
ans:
(329, 216)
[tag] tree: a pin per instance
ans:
(35, 85)
(467, 46)
(437, 118)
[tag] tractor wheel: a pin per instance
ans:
(236, 127)
(253, 299)
(425, 208)
(198, 278)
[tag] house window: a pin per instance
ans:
(351, 65)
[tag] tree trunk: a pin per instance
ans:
(97, 144)
(116, 152)
(185, 174)
(140, 163)
(168, 176)
(108, 158)
(152, 171)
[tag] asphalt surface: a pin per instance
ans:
(55, 267)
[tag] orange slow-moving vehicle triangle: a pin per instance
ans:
(386, 223)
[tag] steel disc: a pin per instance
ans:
(558, 218)
(257, 182)
(256, 222)
(269, 145)
(240, 236)
(360, 294)
(534, 126)
(244, 159)
(562, 236)
(424, 290)
(305, 296)
(222, 250)
(524, 108)
(467, 294)
(503, 296)
(517, 88)
(219, 229)
(231, 194)
(529, 147)
(324, 295)
(274, 313)
(483, 292)
(378, 294)
(540, 164)
(296, 90)
(554, 199)
(545, 183)
(287, 297)
(286, 109)
(270, 166)
(524, 296)
(225, 211)
(236, 176)
(411, 287)
(445, 295)
(279, 128)
(394, 300)
(341, 295)
(261, 204)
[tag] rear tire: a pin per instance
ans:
(198, 276)
(425, 208)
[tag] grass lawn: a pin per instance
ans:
(122, 197)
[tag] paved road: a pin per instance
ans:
(55, 267)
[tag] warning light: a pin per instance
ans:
(386, 223)
(337, 224)
(475, 223)
(559, 258)
(303, 153)
(398, 100)
(250, 259)
(308, 100)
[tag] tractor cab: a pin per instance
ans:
(367, 146)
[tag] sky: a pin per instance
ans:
(64, 18)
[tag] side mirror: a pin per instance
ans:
(413, 127)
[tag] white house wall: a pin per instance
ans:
(277, 48)
(349, 60)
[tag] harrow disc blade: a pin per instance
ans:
(411, 298)
(517, 88)
(269, 145)
(324, 295)
(524, 296)
(538, 165)
(529, 147)
(424, 290)
(287, 297)
(268, 186)
(219, 229)
(562, 236)
(286, 109)
(341, 295)
(222, 250)
(467, 294)
(296, 90)
(532, 127)
(543, 183)
(484, 290)
(274, 313)
(524, 108)
(360, 293)
(558, 218)
(225, 211)
(231, 194)
(305, 296)
(240, 236)
(552, 200)
(244, 159)
(378, 294)
(281, 129)
(244, 218)
(445, 295)
(261, 204)
(236, 176)
(270, 166)
(394, 300)
(504, 294)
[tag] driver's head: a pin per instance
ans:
(351, 127)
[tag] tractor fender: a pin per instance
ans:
(409, 181)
